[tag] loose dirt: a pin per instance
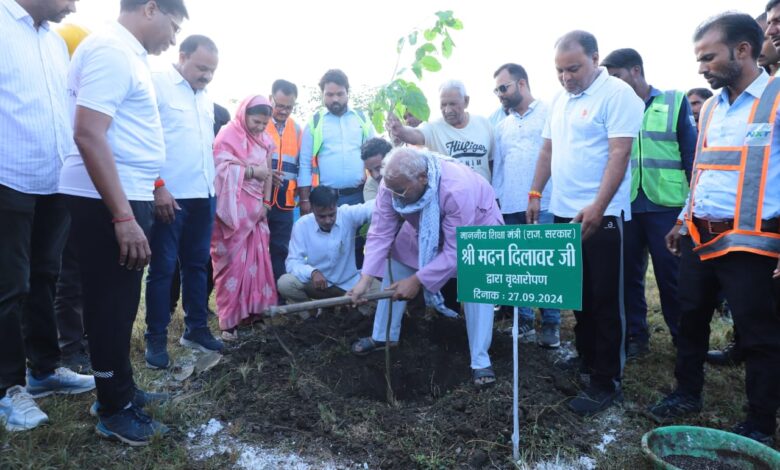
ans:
(297, 384)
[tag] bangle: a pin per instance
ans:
(117, 220)
(251, 171)
(534, 195)
(159, 183)
(304, 200)
(267, 206)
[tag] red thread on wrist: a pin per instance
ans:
(117, 220)
(159, 183)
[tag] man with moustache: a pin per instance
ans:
(696, 98)
(459, 134)
(109, 181)
(518, 139)
(661, 162)
(184, 201)
(727, 235)
(34, 135)
(769, 58)
(284, 160)
(586, 150)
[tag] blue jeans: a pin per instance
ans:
(187, 239)
(549, 315)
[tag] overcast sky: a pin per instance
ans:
(261, 41)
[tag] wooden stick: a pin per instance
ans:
(323, 303)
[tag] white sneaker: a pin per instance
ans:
(19, 412)
(63, 381)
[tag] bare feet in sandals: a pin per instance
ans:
(484, 377)
(367, 345)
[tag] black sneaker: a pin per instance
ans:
(748, 430)
(593, 400)
(636, 348)
(131, 426)
(731, 355)
(676, 405)
(202, 340)
(156, 353)
(140, 399)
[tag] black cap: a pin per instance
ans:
(622, 59)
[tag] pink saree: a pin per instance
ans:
(239, 245)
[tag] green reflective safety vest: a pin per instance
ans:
(315, 128)
(656, 164)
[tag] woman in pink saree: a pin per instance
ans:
(239, 246)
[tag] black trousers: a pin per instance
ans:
(601, 324)
(280, 223)
(111, 294)
(32, 234)
(68, 309)
(746, 280)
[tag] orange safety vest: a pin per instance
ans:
(289, 146)
(751, 161)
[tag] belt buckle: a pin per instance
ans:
(709, 227)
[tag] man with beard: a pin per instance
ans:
(586, 150)
(330, 148)
(184, 201)
(459, 134)
(769, 58)
(35, 132)
(109, 177)
(518, 139)
(727, 235)
(661, 162)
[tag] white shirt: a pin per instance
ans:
(188, 124)
(516, 150)
(35, 131)
(109, 74)
(331, 253)
(471, 145)
(580, 127)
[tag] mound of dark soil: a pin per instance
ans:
(298, 382)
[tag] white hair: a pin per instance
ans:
(454, 85)
(407, 162)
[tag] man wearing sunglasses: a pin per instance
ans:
(109, 181)
(517, 145)
(459, 134)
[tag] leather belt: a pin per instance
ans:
(349, 191)
(718, 227)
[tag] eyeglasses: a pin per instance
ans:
(501, 89)
(283, 107)
(396, 194)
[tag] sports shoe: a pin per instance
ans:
(731, 355)
(202, 340)
(525, 331)
(550, 336)
(19, 412)
(140, 399)
(594, 399)
(131, 426)
(676, 405)
(62, 380)
(156, 354)
(748, 430)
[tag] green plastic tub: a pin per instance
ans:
(725, 448)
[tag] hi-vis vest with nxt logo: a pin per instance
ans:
(656, 164)
(315, 128)
(751, 160)
(288, 145)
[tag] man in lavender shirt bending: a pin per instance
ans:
(435, 195)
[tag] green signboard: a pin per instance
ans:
(521, 265)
